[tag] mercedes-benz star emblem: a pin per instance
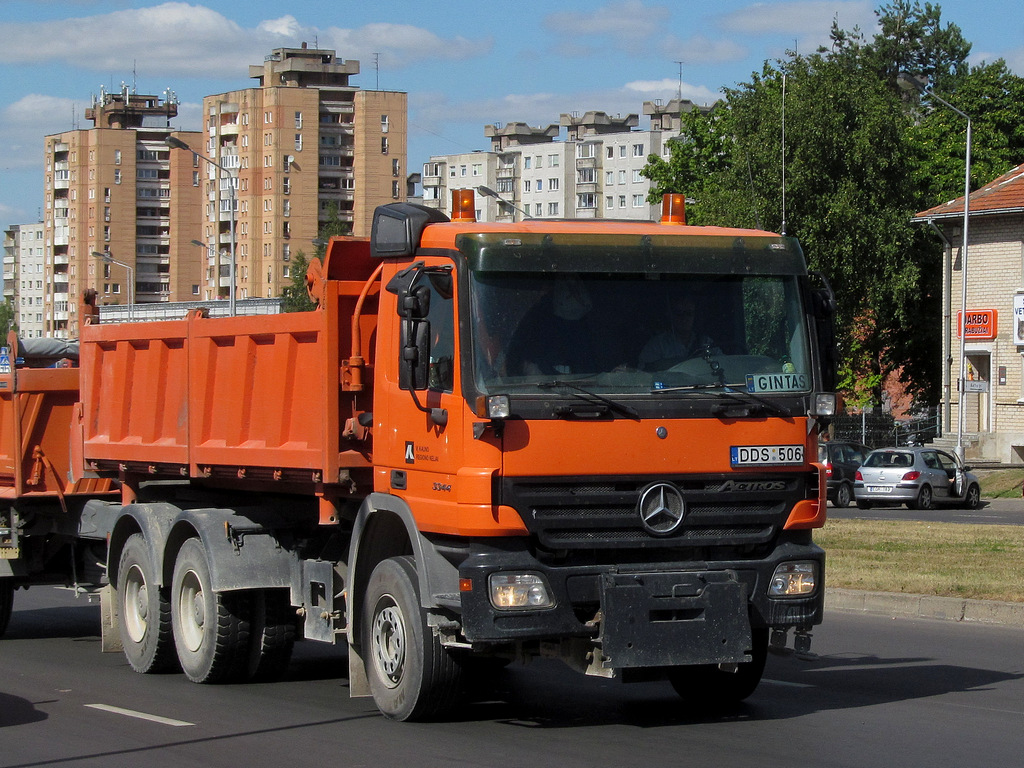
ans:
(661, 509)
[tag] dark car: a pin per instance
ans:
(841, 461)
(917, 477)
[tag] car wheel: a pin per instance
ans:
(843, 495)
(973, 498)
(924, 499)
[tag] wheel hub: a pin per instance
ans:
(389, 644)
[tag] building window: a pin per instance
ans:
(540, 185)
(286, 185)
(526, 209)
(396, 167)
(117, 157)
(117, 175)
(622, 201)
(552, 161)
(286, 207)
(527, 186)
(396, 190)
(286, 252)
(384, 145)
(638, 150)
(584, 150)
(609, 178)
(638, 201)
(637, 178)
(268, 117)
(552, 209)
(298, 121)
(384, 124)
(586, 200)
(298, 142)
(610, 152)
(552, 184)
(585, 175)
(195, 178)
(526, 162)
(476, 169)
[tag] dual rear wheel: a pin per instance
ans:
(212, 637)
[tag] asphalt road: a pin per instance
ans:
(991, 512)
(880, 692)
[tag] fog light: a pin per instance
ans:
(511, 591)
(824, 404)
(794, 580)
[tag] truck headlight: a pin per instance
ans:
(516, 591)
(794, 580)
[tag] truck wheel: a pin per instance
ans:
(211, 629)
(6, 602)
(411, 675)
(843, 495)
(708, 685)
(273, 634)
(145, 611)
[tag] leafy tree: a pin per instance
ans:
(296, 297)
(860, 160)
(8, 320)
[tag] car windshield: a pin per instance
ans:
(900, 459)
(638, 332)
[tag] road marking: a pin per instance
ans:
(787, 683)
(139, 715)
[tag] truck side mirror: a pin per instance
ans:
(823, 306)
(413, 299)
(414, 363)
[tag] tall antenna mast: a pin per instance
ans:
(376, 67)
(679, 93)
(783, 153)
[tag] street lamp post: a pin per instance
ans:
(106, 258)
(910, 83)
(175, 143)
(488, 192)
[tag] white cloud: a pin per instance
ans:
(628, 23)
(24, 124)
(177, 38)
(807, 24)
(702, 49)
(668, 88)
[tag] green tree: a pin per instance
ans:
(860, 160)
(296, 297)
(8, 320)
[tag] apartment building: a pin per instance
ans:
(302, 143)
(24, 280)
(594, 172)
(116, 189)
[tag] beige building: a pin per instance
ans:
(993, 417)
(300, 143)
(117, 189)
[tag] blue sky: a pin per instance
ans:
(465, 64)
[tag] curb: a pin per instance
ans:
(897, 604)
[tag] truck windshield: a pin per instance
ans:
(628, 333)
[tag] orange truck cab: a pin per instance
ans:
(589, 440)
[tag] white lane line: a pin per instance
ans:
(139, 715)
(786, 683)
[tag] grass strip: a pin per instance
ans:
(984, 562)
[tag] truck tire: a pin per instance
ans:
(273, 634)
(6, 602)
(211, 629)
(144, 610)
(411, 675)
(708, 686)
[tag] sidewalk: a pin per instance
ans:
(896, 604)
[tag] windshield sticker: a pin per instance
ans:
(776, 382)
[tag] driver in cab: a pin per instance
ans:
(680, 341)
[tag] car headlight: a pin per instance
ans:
(794, 580)
(511, 591)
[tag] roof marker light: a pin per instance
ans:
(463, 205)
(673, 209)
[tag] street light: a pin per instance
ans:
(908, 82)
(106, 258)
(488, 192)
(175, 143)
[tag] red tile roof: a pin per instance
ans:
(1004, 195)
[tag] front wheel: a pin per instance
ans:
(411, 675)
(709, 685)
(6, 602)
(211, 629)
(145, 611)
(843, 495)
(973, 498)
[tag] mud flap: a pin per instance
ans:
(673, 619)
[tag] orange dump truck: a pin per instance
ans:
(589, 440)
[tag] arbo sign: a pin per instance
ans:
(979, 324)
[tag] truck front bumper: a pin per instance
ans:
(644, 614)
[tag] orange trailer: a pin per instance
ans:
(586, 439)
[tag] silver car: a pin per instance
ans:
(917, 477)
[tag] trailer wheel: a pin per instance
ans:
(273, 634)
(6, 602)
(211, 629)
(411, 675)
(707, 685)
(145, 611)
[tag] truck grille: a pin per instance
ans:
(603, 514)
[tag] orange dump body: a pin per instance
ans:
(37, 411)
(249, 398)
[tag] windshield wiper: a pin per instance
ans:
(765, 403)
(587, 394)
